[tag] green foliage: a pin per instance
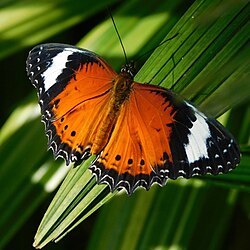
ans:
(208, 62)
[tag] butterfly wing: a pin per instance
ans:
(158, 136)
(73, 89)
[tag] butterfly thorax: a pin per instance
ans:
(120, 92)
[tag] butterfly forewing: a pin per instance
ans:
(73, 88)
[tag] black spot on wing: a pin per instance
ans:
(118, 158)
(142, 162)
(130, 161)
(63, 149)
(73, 133)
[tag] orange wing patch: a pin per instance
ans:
(139, 145)
(77, 112)
(73, 133)
(89, 82)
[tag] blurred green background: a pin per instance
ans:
(207, 63)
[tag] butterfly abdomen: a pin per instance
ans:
(122, 86)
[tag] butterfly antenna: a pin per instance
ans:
(138, 58)
(119, 37)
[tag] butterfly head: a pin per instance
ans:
(129, 68)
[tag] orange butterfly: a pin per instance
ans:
(142, 134)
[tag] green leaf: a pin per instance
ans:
(208, 62)
(204, 47)
(166, 218)
(42, 19)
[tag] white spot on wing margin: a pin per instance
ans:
(196, 148)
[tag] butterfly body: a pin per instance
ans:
(142, 134)
(120, 91)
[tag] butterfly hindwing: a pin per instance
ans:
(73, 87)
(158, 136)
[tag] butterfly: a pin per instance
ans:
(141, 134)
